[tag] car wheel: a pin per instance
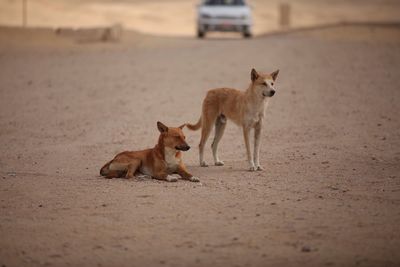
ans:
(247, 34)
(246, 31)
(200, 34)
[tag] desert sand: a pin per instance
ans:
(329, 195)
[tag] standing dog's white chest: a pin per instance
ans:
(256, 113)
(171, 159)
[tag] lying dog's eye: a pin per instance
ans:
(272, 83)
(265, 84)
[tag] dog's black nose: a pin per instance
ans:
(183, 148)
(272, 92)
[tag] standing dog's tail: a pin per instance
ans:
(194, 127)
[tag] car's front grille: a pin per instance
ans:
(225, 17)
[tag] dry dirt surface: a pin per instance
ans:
(329, 195)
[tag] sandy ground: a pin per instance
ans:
(178, 17)
(329, 196)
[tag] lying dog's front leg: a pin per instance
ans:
(181, 170)
(165, 177)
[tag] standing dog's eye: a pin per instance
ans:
(272, 83)
(265, 84)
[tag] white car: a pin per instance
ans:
(224, 15)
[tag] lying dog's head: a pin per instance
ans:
(173, 137)
(264, 84)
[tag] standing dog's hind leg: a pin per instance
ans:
(207, 124)
(220, 125)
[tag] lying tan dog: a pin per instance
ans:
(158, 162)
(246, 109)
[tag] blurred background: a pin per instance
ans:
(178, 17)
(331, 143)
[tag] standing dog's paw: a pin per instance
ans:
(219, 163)
(252, 168)
(194, 179)
(203, 164)
(171, 179)
(260, 168)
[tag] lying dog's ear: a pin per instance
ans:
(161, 127)
(182, 126)
(254, 75)
(274, 75)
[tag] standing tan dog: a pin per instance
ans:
(158, 162)
(246, 109)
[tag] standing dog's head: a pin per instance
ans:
(173, 137)
(264, 84)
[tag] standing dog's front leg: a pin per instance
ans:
(181, 170)
(246, 132)
(257, 144)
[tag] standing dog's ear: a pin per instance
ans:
(161, 127)
(274, 75)
(254, 75)
(182, 126)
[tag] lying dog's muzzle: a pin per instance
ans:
(182, 148)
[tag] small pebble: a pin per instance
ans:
(305, 249)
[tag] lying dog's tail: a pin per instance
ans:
(106, 169)
(194, 127)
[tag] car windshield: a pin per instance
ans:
(224, 3)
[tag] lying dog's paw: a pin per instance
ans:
(219, 163)
(143, 176)
(203, 164)
(171, 179)
(260, 168)
(194, 179)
